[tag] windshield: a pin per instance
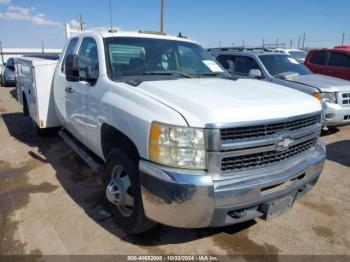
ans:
(277, 65)
(131, 57)
(298, 54)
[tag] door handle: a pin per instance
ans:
(69, 89)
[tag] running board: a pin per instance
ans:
(81, 151)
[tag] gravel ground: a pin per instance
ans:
(52, 203)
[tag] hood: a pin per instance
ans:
(324, 83)
(211, 100)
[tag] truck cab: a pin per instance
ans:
(179, 140)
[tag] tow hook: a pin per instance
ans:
(238, 213)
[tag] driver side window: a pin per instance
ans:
(88, 55)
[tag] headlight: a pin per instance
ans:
(326, 97)
(174, 146)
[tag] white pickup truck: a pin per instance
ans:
(180, 142)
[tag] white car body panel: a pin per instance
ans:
(225, 101)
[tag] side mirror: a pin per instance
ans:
(88, 74)
(72, 68)
(255, 73)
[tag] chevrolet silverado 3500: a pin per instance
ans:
(179, 143)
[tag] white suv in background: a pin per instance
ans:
(298, 54)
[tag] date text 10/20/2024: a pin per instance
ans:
(173, 258)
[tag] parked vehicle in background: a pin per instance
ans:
(284, 70)
(44, 56)
(9, 75)
(330, 62)
(298, 54)
(182, 143)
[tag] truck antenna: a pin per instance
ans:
(110, 14)
(81, 23)
(162, 17)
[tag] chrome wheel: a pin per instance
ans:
(119, 191)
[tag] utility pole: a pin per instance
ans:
(2, 54)
(304, 40)
(342, 41)
(277, 42)
(81, 23)
(299, 42)
(42, 47)
(291, 43)
(162, 16)
(220, 43)
(243, 44)
(263, 43)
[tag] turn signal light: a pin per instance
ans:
(317, 95)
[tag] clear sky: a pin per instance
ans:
(26, 23)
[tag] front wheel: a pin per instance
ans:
(124, 194)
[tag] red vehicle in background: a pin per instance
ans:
(330, 62)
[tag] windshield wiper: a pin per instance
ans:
(220, 75)
(209, 74)
(177, 73)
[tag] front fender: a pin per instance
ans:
(132, 113)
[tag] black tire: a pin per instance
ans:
(4, 84)
(137, 222)
(25, 106)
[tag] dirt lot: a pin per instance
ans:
(51, 203)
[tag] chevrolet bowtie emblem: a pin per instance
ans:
(284, 144)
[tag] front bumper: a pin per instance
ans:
(193, 200)
(336, 115)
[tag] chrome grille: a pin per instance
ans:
(345, 98)
(256, 131)
(248, 161)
